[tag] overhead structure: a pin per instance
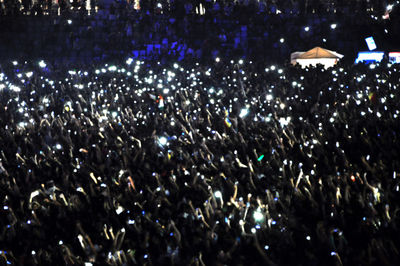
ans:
(315, 56)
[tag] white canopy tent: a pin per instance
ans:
(315, 56)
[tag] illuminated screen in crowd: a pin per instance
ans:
(371, 43)
(369, 57)
(394, 57)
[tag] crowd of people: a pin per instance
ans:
(227, 162)
(207, 149)
(245, 29)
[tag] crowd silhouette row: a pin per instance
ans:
(38, 7)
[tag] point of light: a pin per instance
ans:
(284, 121)
(15, 88)
(258, 215)
(163, 140)
(244, 112)
(42, 64)
(129, 61)
(218, 194)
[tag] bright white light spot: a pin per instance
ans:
(15, 88)
(218, 194)
(58, 146)
(308, 238)
(42, 64)
(60, 242)
(258, 215)
(240, 61)
(333, 26)
(253, 230)
(163, 140)
(284, 121)
(112, 68)
(119, 210)
(69, 21)
(307, 28)
(244, 112)
(217, 59)
(129, 61)
(269, 97)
